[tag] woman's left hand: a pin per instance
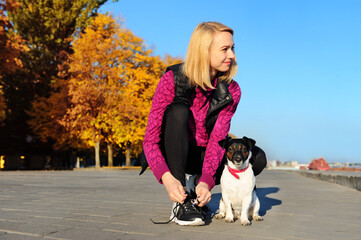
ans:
(203, 194)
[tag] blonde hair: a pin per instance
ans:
(197, 62)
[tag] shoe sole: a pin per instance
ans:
(195, 222)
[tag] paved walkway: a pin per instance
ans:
(114, 204)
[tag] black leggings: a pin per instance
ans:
(181, 156)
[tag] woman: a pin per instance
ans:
(191, 112)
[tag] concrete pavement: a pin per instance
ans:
(114, 204)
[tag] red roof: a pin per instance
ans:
(319, 164)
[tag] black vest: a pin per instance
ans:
(220, 97)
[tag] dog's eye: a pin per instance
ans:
(244, 149)
(230, 149)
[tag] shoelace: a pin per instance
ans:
(187, 207)
(174, 212)
(191, 207)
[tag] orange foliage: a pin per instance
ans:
(11, 44)
(112, 84)
(45, 114)
(103, 92)
(169, 60)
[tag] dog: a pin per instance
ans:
(238, 183)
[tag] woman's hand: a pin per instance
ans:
(174, 188)
(203, 194)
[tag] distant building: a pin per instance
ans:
(288, 165)
(303, 166)
(319, 164)
(273, 164)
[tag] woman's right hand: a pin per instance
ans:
(174, 188)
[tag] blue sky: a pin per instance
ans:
(299, 67)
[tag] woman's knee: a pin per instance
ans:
(177, 115)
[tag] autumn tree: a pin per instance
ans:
(141, 78)
(169, 60)
(11, 45)
(97, 68)
(47, 27)
(2, 106)
(114, 79)
(46, 114)
(141, 73)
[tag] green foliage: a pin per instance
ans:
(48, 27)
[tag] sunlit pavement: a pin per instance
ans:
(115, 204)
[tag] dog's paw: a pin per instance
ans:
(219, 216)
(245, 222)
(257, 218)
(229, 220)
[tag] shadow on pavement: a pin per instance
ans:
(266, 202)
(214, 203)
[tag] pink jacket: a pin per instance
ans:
(164, 95)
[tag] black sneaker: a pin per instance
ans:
(187, 214)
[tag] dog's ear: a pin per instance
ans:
(251, 143)
(223, 143)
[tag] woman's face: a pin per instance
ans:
(221, 52)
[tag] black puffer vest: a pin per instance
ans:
(220, 97)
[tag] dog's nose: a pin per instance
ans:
(237, 158)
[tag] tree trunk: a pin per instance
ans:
(97, 149)
(127, 160)
(110, 155)
(97, 153)
(77, 164)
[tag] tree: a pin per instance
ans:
(2, 106)
(113, 81)
(169, 60)
(11, 45)
(47, 27)
(142, 79)
(96, 82)
(47, 112)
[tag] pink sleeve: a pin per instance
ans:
(214, 152)
(163, 96)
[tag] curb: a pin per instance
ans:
(106, 168)
(350, 181)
